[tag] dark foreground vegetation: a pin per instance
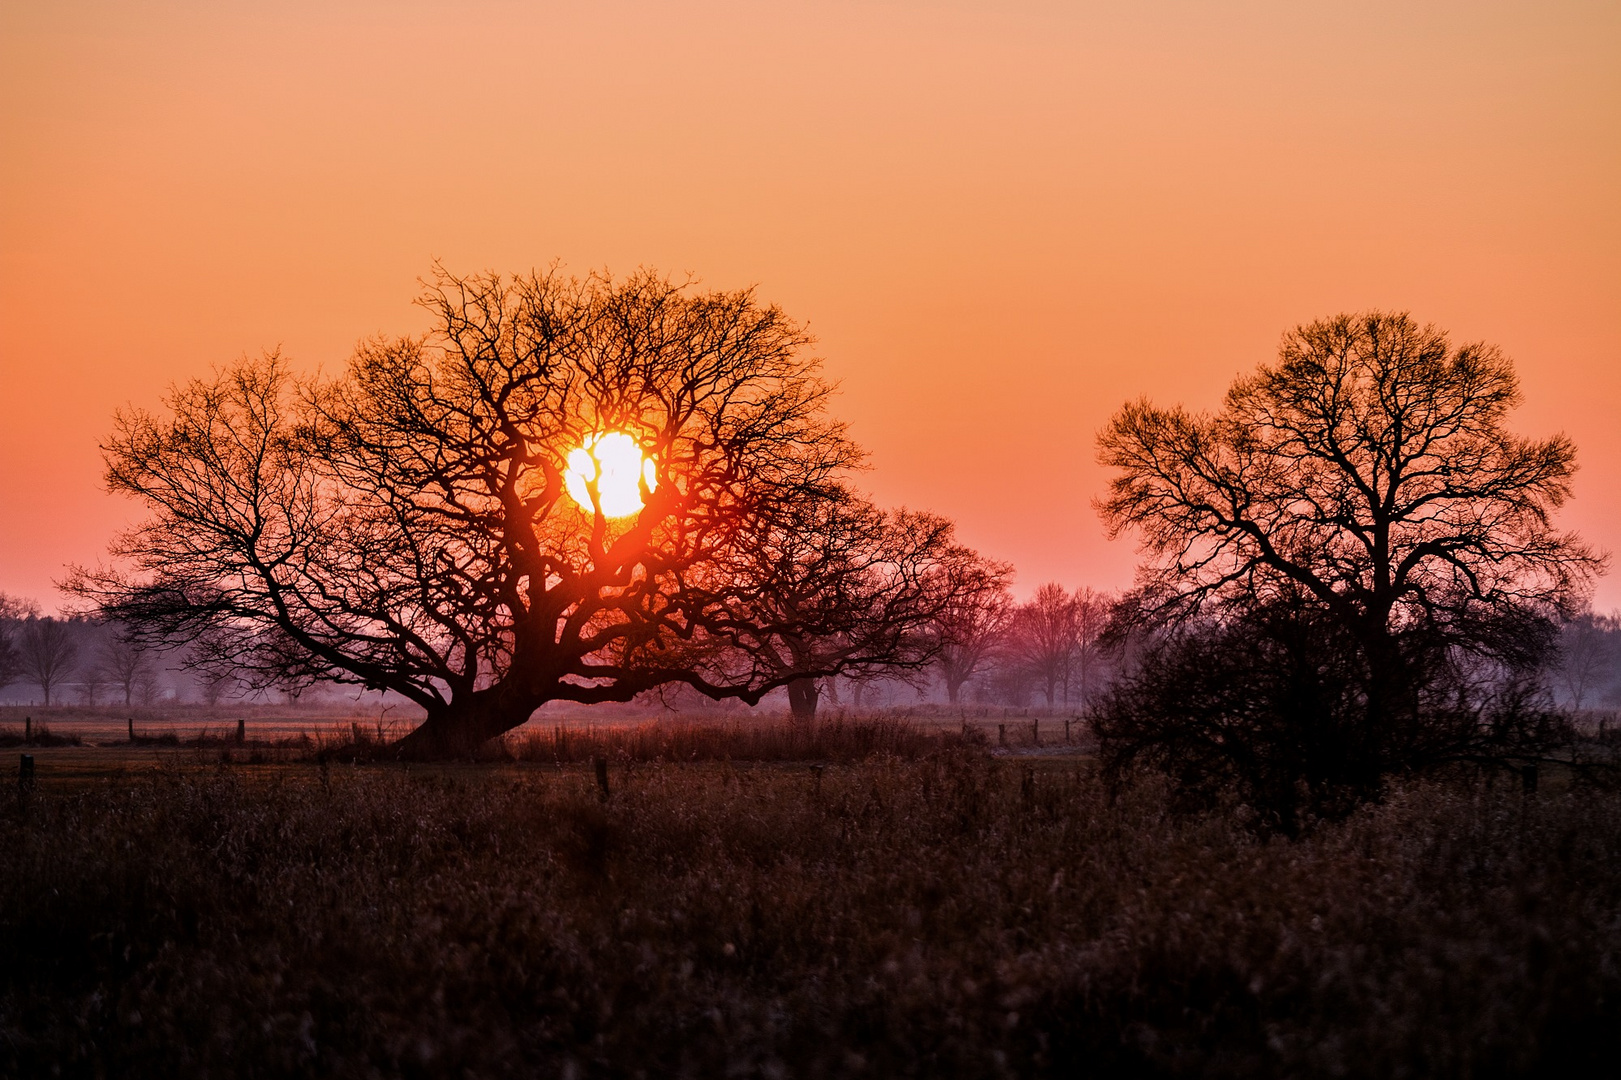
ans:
(954, 914)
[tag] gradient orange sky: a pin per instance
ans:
(1001, 220)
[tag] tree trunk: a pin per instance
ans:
(1391, 730)
(460, 728)
(802, 697)
(951, 690)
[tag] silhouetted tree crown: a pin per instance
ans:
(836, 584)
(407, 526)
(1370, 469)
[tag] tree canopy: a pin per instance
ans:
(1371, 468)
(408, 525)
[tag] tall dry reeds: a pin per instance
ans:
(955, 915)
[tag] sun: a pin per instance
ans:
(617, 466)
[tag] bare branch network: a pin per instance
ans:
(407, 525)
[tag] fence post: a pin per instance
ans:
(241, 730)
(1035, 731)
(602, 777)
(132, 729)
(1001, 734)
(25, 775)
(1066, 733)
(28, 731)
(1528, 778)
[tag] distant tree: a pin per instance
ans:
(860, 686)
(148, 688)
(10, 667)
(92, 681)
(1006, 678)
(409, 526)
(12, 612)
(122, 663)
(1368, 483)
(1093, 612)
(49, 653)
(972, 621)
(13, 609)
(1588, 647)
(215, 685)
(1044, 635)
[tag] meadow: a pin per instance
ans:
(896, 900)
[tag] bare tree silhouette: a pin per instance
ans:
(49, 653)
(1044, 635)
(834, 585)
(12, 612)
(1587, 651)
(1365, 486)
(408, 526)
(123, 661)
(1093, 610)
(973, 621)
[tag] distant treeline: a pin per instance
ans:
(77, 660)
(1058, 651)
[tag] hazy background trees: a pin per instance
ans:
(1043, 637)
(1050, 647)
(1585, 672)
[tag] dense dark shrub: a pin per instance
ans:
(1274, 710)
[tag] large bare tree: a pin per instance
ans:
(1368, 478)
(408, 525)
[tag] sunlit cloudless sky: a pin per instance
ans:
(1001, 221)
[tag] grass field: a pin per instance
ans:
(930, 909)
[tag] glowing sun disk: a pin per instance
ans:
(616, 464)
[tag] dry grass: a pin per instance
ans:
(841, 738)
(954, 915)
(37, 735)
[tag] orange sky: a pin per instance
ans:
(1002, 220)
